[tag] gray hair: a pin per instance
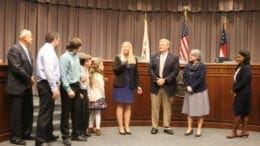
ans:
(196, 52)
(166, 41)
(24, 33)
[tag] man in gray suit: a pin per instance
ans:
(19, 88)
(163, 70)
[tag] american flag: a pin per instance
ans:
(223, 44)
(184, 49)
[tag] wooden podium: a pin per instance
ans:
(4, 105)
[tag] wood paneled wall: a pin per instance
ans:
(4, 105)
(219, 80)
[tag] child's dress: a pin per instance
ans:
(97, 92)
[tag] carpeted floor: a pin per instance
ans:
(141, 137)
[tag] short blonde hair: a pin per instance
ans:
(24, 33)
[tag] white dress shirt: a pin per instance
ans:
(163, 57)
(47, 66)
(26, 51)
(84, 73)
(235, 75)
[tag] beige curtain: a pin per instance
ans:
(161, 5)
(104, 24)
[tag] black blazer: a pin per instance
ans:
(120, 72)
(243, 90)
(243, 81)
(196, 80)
(19, 71)
(170, 72)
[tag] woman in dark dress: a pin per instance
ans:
(242, 93)
(126, 80)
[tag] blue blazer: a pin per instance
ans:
(170, 72)
(195, 77)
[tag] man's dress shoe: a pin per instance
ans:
(29, 137)
(168, 131)
(17, 141)
(53, 138)
(154, 131)
(79, 138)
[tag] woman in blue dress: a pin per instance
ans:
(126, 81)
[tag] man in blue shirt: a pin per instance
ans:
(48, 81)
(70, 95)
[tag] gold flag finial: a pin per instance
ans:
(185, 8)
(225, 21)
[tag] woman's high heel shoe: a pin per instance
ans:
(188, 133)
(232, 134)
(128, 132)
(243, 134)
(121, 132)
(198, 135)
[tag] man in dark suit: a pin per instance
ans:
(163, 70)
(19, 88)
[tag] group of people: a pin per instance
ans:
(78, 79)
(75, 77)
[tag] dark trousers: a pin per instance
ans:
(85, 110)
(73, 106)
(21, 114)
(44, 129)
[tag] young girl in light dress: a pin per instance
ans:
(96, 94)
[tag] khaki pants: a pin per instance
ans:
(166, 101)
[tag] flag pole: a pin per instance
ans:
(225, 22)
(184, 47)
(223, 52)
(225, 29)
(146, 47)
